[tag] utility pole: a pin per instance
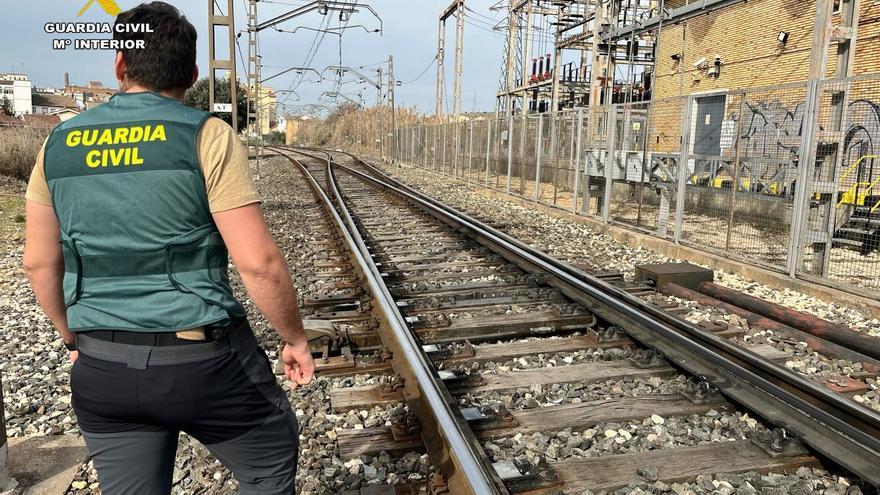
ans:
(227, 21)
(441, 55)
(253, 117)
(557, 52)
(527, 55)
(391, 84)
(457, 8)
(596, 75)
(512, 22)
(381, 143)
(379, 87)
(459, 54)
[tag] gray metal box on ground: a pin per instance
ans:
(683, 274)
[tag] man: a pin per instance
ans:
(131, 210)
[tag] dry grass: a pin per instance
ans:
(18, 149)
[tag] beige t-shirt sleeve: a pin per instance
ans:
(225, 167)
(38, 188)
(223, 160)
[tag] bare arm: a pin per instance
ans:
(44, 264)
(267, 279)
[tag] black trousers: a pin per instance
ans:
(131, 403)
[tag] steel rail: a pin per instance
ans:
(833, 425)
(448, 439)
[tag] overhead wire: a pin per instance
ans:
(310, 55)
(433, 61)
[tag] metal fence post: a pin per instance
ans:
(736, 171)
(509, 151)
(443, 156)
(539, 150)
(455, 148)
(577, 160)
(610, 158)
(683, 167)
(488, 147)
(591, 121)
(434, 150)
(553, 155)
(470, 151)
(522, 154)
(806, 161)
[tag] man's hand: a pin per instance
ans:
(265, 274)
(73, 355)
(299, 367)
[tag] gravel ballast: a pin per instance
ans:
(36, 372)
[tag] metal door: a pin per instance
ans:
(710, 115)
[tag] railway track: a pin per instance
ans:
(455, 307)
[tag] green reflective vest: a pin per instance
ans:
(141, 250)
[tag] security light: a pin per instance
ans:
(782, 37)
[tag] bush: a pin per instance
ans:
(18, 150)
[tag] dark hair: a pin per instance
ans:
(169, 57)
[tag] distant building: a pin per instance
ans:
(17, 88)
(45, 103)
(87, 97)
(266, 101)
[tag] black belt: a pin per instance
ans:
(143, 356)
(161, 339)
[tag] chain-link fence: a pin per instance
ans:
(786, 177)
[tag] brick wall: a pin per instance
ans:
(744, 35)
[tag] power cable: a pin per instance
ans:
(310, 55)
(433, 61)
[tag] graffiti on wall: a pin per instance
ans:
(862, 136)
(769, 143)
(771, 129)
